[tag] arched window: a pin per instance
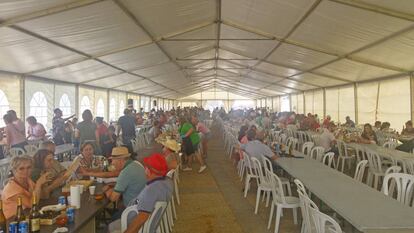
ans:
(121, 108)
(85, 104)
(112, 109)
(100, 108)
(38, 107)
(64, 105)
(4, 106)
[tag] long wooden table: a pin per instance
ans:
(84, 217)
(366, 209)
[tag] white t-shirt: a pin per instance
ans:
(326, 138)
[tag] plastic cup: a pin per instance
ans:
(81, 187)
(92, 190)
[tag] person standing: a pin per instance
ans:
(58, 127)
(35, 131)
(127, 127)
(86, 130)
(14, 136)
(191, 139)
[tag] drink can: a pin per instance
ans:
(62, 200)
(24, 227)
(70, 212)
(13, 227)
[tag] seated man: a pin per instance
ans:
(327, 138)
(256, 148)
(158, 188)
(130, 181)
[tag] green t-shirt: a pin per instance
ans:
(130, 181)
(194, 137)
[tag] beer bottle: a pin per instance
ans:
(3, 225)
(34, 217)
(19, 212)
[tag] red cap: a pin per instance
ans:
(157, 164)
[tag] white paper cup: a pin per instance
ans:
(92, 190)
(81, 188)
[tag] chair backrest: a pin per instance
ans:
(277, 189)
(307, 147)
(374, 161)
(405, 187)
(305, 204)
(317, 153)
(390, 144)
(409, 166)
(360, 170)
(360, 152)
(248, 163)
(393, 169)
(30, 149)
(342, 148)
(300, 186)
(283, 138)
(257, 166)
(16, 151)
(328, 159)
(316, 139)
(128, 214)
(322, 222)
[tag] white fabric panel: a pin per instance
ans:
(186, 48)
(135, 99)
(229, 55)
(367, 99)
(332, 103)
(309, 102)
(263, 77)
(300, 104)
(79, 72)
(10, 86)
(341, 28)
(90, 95)
(137, 58)
(168, 17)
(277, 70)
(318, 103)
(269, 103)
(258, 103)
(115, 81)
(9, 9)
(394, 102)
(43, 114)
(60, 100)
(93, 29)
(270, 92)
(405, 6)
(152, 71)
(23, 53)
(354, 71)
(396, 51)
(262, 15)
(276, 104)
(296, 85)
(346, 102)
(317, 80)
(294, 103)
(237, 97)
(101, 95)
(299, 57)
(263, 104)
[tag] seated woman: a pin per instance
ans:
(368, 136)
(89, 166)
(43, 163)
(170, 150)
(35, 130)
(21, 185)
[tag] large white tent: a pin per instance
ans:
(337, 57)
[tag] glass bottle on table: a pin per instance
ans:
(3, 221)
(19, 211)
(34, 217)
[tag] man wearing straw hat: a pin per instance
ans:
(171, 147)
(130, 181)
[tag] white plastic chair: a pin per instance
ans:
(16, 152)
(375, 170)
(250, 174)
(317, 153)
(391, 189)
(360, 170)
(322, 222)
(269, 169)
(263, 184)
(343, 155)
(153, 221)
(280, 201)
(390, 144)
(30, 149)
(305, 202)
(307, 147)
(328, 159)
(405, 187)
(360, 153)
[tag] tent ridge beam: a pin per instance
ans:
(212, 39)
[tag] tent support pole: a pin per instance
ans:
(356, 102)
(412, 95)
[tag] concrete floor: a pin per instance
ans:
(212, 202)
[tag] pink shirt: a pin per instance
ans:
(14, 135)
(202, 128)
(37, 132)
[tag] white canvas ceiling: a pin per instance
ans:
(176, 48)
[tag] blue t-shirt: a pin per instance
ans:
(131, 181)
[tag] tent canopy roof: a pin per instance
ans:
(178, 48)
